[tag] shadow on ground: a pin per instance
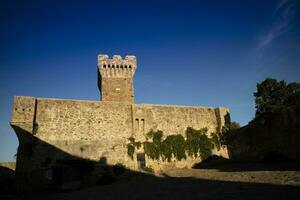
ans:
(142, 186)
(74, 178)
(226, 165)
(6, 180)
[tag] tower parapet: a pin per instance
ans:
(115, 78)
(116, 67)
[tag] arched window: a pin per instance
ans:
(137, 125)
(143, 125)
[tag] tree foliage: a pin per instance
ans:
(272, 96)
(228, 133)
(233, 126)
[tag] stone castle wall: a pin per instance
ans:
(173, 119)
(95, 130)
(57, 137)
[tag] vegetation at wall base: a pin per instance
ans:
(148, 169)
(131, 147)
(196, 144)
(173, 145)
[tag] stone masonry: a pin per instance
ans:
(52, 130)
(115, 78)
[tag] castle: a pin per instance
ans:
(53, 132)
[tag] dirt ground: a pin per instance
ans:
(234, 181)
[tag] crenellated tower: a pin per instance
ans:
(115, 78)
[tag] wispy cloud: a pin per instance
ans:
(284, 14)
(280, 4)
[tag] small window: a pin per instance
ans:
(117, 66)
(121, 66)
(104, 66)
(137, 126)
(129, 66)
(108, 66)
(126, 66)
(113, 66)
(143, 125)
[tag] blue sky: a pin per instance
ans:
(204, 53)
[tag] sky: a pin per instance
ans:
(199, 53)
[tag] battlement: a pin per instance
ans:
(54, 132)
(115, 78)
(116, 66)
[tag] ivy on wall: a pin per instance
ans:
(131, 146)
(196, 144)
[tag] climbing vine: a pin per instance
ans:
(216, 139)
(173, 145)
(131, 146)
(196, 144)
(153, 149)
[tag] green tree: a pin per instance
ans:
(234, 125)
(272, 95)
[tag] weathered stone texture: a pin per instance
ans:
(23, 110)
(92, 130)
(115, 78)
(172, 119)
(117, 89)
(51, 130)
(84, 129)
